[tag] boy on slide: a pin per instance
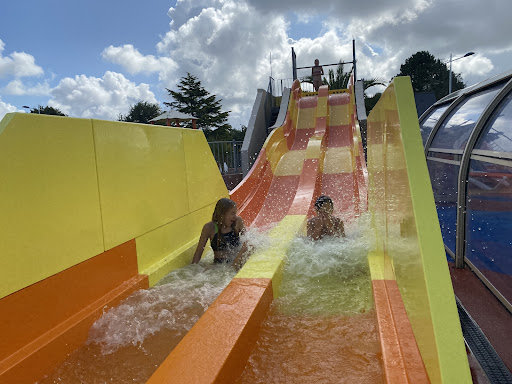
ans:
(324, 224)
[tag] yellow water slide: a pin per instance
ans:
(95, 210)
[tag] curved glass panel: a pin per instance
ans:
(444, 178)
(431, 120)
(489, 223)
(457, 127)
(497, 133)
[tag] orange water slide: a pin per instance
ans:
(318, 151)
(315, 152)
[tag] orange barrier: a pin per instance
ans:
(44, 322)
(216, 349)
(401, 358)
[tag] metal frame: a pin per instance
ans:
(440, 160)
(442, 118)
(504, 162)
(426, 113)
(489, 285)
(450, 151)
(449, 251)
(497, 155)
(294, 62)
(460, 241)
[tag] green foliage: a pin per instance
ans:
(370, 101)
(47, 111)
(429, 74)
(193, 99)
(141, 112)
(228, 134)
(338, 80)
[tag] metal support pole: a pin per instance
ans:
(294, 64)
(354, 58)
(450, 78)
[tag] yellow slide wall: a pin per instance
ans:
(71, 189)
(405, 221)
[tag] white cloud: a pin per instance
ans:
(7, 108)
(226, 43)
(18, 88)
(104, 98)
(226, 47)
(473, 65)
(134, 62)
(18, 64)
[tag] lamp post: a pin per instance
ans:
(450, 78)
(26, 106)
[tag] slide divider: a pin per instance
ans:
(217, 347)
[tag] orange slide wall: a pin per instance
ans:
(43, 323)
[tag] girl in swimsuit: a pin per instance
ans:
(224, 233)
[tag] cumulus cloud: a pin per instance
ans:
(104, 98)
(227, 43)
(7, 108)
(473, 65)
(18, 64)
(134, 62)
(227, 46)
(18, 88)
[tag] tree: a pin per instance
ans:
(193, 99)
(429, 74)
(370, 101)
(239, 134)
(142, 112)
(47, 111)
(338, 80)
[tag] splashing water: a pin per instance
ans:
(329, 276)
(176, 303)
(321, 328)
(130, 341)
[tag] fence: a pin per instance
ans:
(276, 86)
(227, 154)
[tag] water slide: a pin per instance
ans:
(124, 241)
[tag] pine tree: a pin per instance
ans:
(193, 99)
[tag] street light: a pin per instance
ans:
(450, 78)
(26, 106)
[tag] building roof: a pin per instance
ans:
(173, 115)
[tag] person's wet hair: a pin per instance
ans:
(323, 200)
(221, 208)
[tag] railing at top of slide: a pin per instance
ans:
(227, 154)
(277, 86)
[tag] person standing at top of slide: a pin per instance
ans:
(316, 72)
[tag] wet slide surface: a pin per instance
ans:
(322, 326)
(372, 307)
(131, 340)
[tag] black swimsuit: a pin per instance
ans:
(230, 240)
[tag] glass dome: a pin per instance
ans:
(468, 145)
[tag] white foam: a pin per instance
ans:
(176, 303)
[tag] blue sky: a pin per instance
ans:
(67, 38)
(96, 58)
